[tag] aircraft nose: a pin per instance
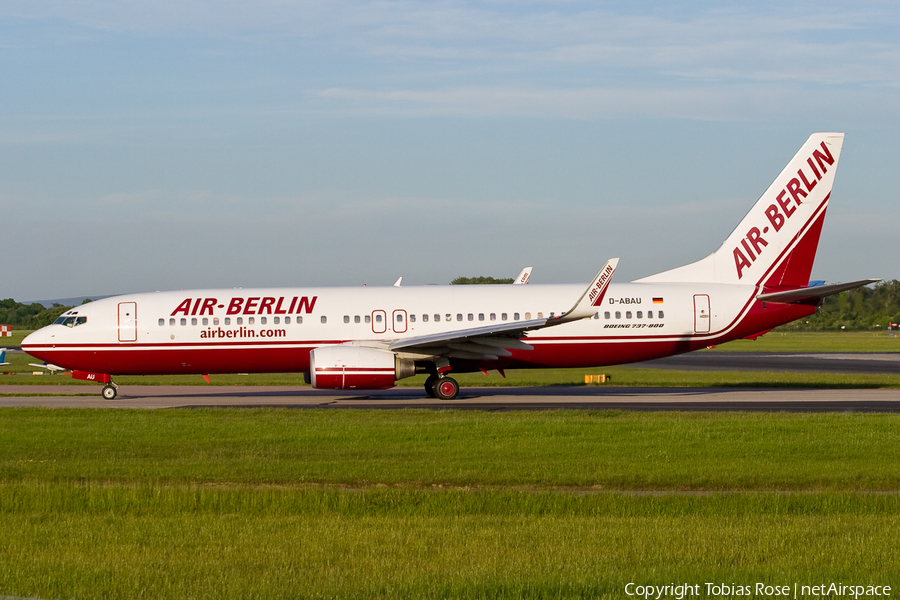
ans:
(36, 338)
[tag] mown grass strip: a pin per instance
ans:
(155, 500)
(334, 555)
(419, 448)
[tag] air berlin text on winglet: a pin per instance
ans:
(753, 242)
(596, 295)
(257, 305)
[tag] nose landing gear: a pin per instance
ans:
(109, 390)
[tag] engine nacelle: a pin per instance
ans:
(356, 367)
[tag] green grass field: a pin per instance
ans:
(274, 503)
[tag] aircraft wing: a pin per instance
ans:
(50, 367)
(812, 293)
(493, 341)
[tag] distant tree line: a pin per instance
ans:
(29, 316)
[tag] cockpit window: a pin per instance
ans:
(70, 320)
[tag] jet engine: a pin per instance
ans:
(349, 367)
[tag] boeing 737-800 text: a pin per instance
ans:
(369, 337)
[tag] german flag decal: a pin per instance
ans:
(657, 301)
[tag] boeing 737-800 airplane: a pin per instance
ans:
(369, 337)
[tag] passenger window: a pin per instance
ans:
(262, 320)
(368, 318)
(437, 318)
(515, 316)
(596, 315)
(618, 315)
(447, 317)
(660, 314)
(251, 320)
(459, 316)
(481, 316)
(649, 314)
(424, 318)
(287, 320)
(502, 316)
(183, 321)
(356, 318)
(239, 320)
(471, 316)
(205, 321)
(228, 320)
(606, 315)
(346, 318)
(276, 320)
(194, 321)
(640, 315)
(171, 321)
(493, 316)
(324, 319)
(528, 316)
(412, 318)
(540, 315)
(628, 314)
(215, 320)
(399, 317)
(162, 322)
(378, 318)
(299, 320)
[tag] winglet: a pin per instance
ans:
(592, 296)
(523, 277)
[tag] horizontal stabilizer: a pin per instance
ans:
(812, 293)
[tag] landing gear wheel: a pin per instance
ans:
(109, 392)
(446, 388)
(429, 385)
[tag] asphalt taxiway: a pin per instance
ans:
(471, 398)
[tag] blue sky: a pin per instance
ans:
(167, 145)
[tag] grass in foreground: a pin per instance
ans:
(268, 503)
(165, 543)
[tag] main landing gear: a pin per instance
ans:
(442, 388)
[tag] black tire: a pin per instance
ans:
(446, 388)
(429, 385)
(109, 392)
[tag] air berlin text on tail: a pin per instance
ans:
(753, 243)
(258, 305)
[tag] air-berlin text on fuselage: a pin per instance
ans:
(782, 209)
(254, 305)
